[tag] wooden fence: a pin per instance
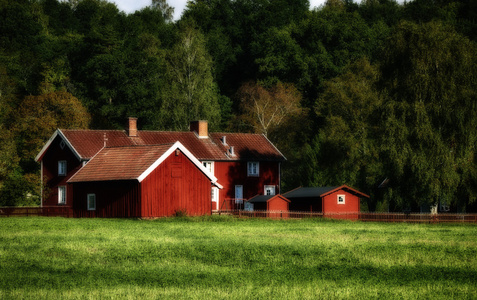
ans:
(53, 211)
(58, 211)
(362, 216)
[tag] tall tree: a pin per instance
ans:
(430, 74)
(38, 116)
(192, 93)
(347, 143)
(166, 10)
(264, 110)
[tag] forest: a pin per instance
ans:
(378, 95)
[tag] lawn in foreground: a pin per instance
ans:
(224, 257)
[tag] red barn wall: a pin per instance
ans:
(351, 205)
(277, 204)
(230, 174)
(176, 185)
(113, 199)
(50, 172)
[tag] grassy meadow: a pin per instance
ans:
(229, 258)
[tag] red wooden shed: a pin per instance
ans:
(276, 206)
(338, 202)
(142, 181)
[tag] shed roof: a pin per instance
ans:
(265, 198)
(315, 192)
(131, 163)
(86, 143)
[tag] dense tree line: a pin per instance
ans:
(378, 95)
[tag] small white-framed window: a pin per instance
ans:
(62, 168)
(269, 190)
(91, 201)
(252, 168)
(62, 194)
(215, 195)
(209, 165)
(341, 199)
(248, 206)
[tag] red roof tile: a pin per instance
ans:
(120, 163)
(246, 146)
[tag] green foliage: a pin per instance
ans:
(429, 72)
(222, 257)
(192, 93)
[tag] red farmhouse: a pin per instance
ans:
(142, 181)
(327, 200)
(244, 164)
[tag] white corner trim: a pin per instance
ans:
(178, 145)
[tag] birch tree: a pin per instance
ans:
(266, 109)
(192, 93)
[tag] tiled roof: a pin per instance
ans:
(120, 163)
(265, 198)
(315, 192)
(246, 146)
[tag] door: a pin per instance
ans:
(238, 194)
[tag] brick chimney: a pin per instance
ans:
(132, 126)
(201, 128)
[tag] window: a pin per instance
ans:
(62, 195)
(269, 190)
(252, 168)
(209, 165)
(91, 202)
(62, 168)
(341, 199)
(248, 206)
(215, 194)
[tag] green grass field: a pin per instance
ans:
(228, 258)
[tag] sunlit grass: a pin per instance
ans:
(227, 258)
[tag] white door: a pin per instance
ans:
(239, 194)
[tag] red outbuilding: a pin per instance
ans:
(276, 206)
(142, 181)
(341, 202)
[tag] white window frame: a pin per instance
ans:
(270, 188)
(237, 199)
(209, 165)
(341, 196)
(91, 197)
(247, 206)
(62, 168)
(215, 195)
(253, 169)
(62, 195)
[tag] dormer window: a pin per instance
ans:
(209, 165)
(62, 168)
(252, 168)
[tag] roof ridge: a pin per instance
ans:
(137, 146)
